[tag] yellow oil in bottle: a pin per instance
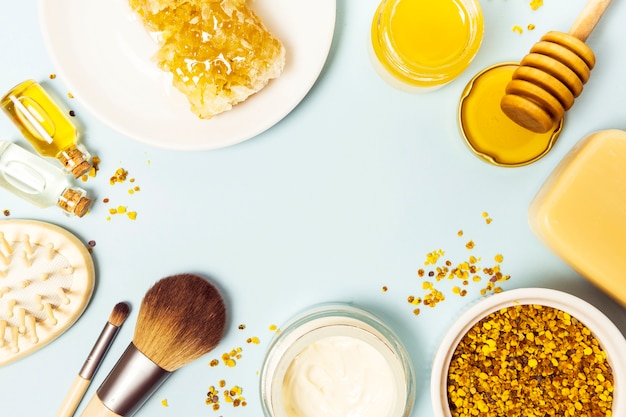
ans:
(490, 134)
(45, 126)
(40, 120)
(426, 43)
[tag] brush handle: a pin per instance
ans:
(133, 379)
(588, 18)
(99, 350)
(91, 365)
(95, 408)
(73, 397)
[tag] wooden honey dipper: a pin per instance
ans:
(552, 75)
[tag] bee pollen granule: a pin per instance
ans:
(529, 360)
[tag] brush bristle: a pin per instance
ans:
(181, 318)
(119, 314)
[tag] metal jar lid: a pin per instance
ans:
(488, 132)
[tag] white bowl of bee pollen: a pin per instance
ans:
(602, 329)
(334, 359)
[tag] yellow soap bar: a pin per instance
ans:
(580, 211)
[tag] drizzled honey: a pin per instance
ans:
(219, 52)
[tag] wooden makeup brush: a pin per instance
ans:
(181, 318)
(83, 380)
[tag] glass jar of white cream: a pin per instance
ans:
(336, 360)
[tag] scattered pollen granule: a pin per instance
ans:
(52, 76)
(273, 327)
(6, 213)
(433, 257)
(535, 4)
(164, 402)
(414, 300)
(384, 288)
(517, 29)
(120, 176)
(433, 298)
(233, 396)
(213, 398)
(461, 273)
(134, 190)
(95, 167)
(529, 360)
(228, 361)
(531, 26)
(230, 358)
(217, 395)
(132, 215)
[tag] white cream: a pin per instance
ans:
(339, 376)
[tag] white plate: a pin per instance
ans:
(104, 54)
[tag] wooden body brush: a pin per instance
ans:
(552, 75)
(181, 318)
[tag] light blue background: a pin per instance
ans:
(348, 193)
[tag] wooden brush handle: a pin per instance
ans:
(73, 397)
(95, 408)
(588, 18)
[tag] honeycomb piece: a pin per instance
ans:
(218, 51)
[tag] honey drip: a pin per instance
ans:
(218, 52)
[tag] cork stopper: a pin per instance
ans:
(75, 159)
(74, 201)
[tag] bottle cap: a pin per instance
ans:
(74, 201)
(76, 160)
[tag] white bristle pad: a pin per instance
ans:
(46, 281)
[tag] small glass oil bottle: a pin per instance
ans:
(46, 127)
(38, 181)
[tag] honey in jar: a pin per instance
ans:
(489, 133)
(421, 45)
